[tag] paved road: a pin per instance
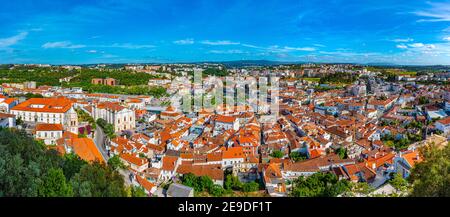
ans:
(99, 140)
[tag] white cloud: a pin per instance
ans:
(225, 42)
(184, 41)
(439, 12)
(62, 44)
(403, 40)
(92, 51)
(319, 45)
(446, 38)
(6, 42)
(252, 46)
(416, 45)
(402, 46)
(227, 51)
(131, 46)
(300, 48)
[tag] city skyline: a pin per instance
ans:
(78, 32)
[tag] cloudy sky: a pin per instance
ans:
(119, 31)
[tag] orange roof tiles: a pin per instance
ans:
(86, 149)
(49, 127)
(233, 152)
(444, 121)
(412, 158)
(225, 119)
(213, 171)
(54, 105)
(10, 100)
(169, 163)
(315, 153)
(133, 159)
(147, 185)
(110, 106)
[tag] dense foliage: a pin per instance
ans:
(215, 72)
(319, 185)
(338, 78)
(277, 154)
(28, 168)
(297, 156)
(400, 143)
(107, 128)
(233, 183)
(42, 76)
(202, 184)
(85, 117)
(134, 83)
(124, 77)
(115, 163)
(342, 153)
(431, 177)
(205, 184)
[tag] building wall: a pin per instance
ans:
(49, 137)
(121, 120)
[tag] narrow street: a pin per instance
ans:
(99, 140)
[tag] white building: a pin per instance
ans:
(120, 117)
(57, 110)
(49, 133)
(443, 125)
(7, 104)
(223, 123)
(7, 120)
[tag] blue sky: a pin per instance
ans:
(120, 31)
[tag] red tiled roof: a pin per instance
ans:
(133, 159)
(169, 162)
(54, 105)
(225, 119)
(49, 127)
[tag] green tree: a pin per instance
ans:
(115, 163)
(206, 183)
(138, 192)
(398, 182)
(19, 121)
(232, 183)
(319, 185)
(72, 165)
(250, 187)
(54, 185)
(342, 153)
(189, 180)
(297, 156)
(430, 177)
(98, 180)
(277, 154)
(29, 169)
(217, 190)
